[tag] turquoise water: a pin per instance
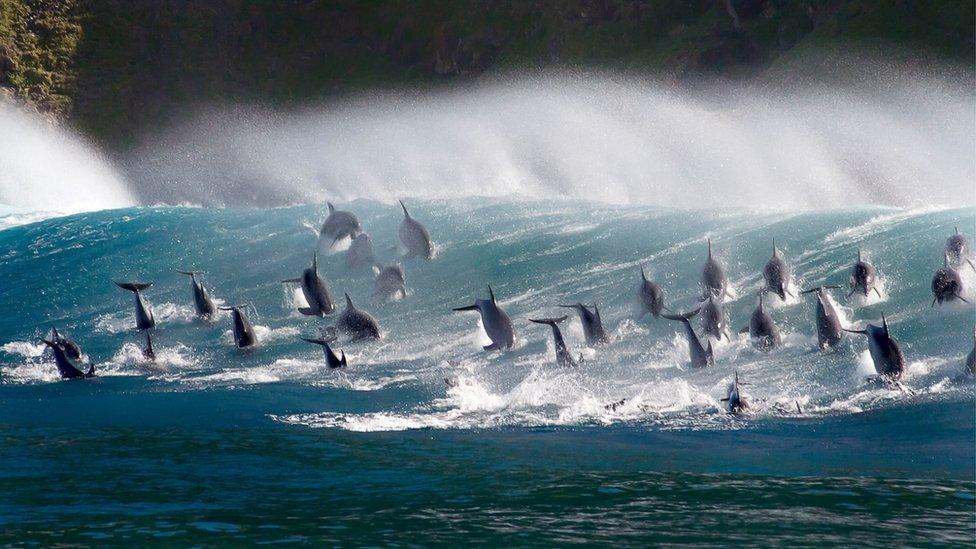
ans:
(215, 445)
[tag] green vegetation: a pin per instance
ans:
(117, 66)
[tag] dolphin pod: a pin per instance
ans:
(563, 356)
(497, 324)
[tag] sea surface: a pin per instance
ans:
(213, 445)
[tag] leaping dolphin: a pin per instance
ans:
(316, 291)
(357, 324)
(713, 318)
(201, 298)
(650, 297)
(563, 357)
(763, 331)
(144, 316)
(331, 360)
(777, 274)
(829, 330)
(497, 324)
(946, 284)
(71, 349)
(889, 361)
(244, 335)
(66, 366)
(340, 224)
(414, 236)
(957, 249)
(863, 277)
(390, 282)
(714, 281)
(701, 357)
(737, 403)
(360, 252)
(592, 324)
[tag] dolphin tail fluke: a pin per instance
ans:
(134, 286)
(549, 321)
(811, 290)
(684, 316)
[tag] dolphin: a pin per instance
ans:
(713, 318)
(701, 357)
(360, 252)
(563, 357)
(414, 236)
(886, 354)
(340, 224)
(243, 331)
(148, 352)
(316, 291)
(650, 297)
(70, 347)
(144, 316)
(863, 277)
(736, 401)
(946, 284)
(829, 330)
(777, 274)
(201, 298)
(331, 359)
(971, 359)
(957, 249)
(713, 278)
(592, 324)
(390, 282)
(66, 366)
(357, 324)
(497, 324)
(763, 331)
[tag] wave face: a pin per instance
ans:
(264, 426)
(47, 169)
(899, 140)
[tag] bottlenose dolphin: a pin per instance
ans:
(777, 274)
(889, 362)
(650, 297)
(148, 352)
(713, 318)
(592, 324)
(414, 236)
(497, 324)
(316, 291)
(331, 359)
(829, 330)
(243, 331)
(357, 324)
(763, 331)
(201, 298)
(390, 282)
(360, 252)
(946, 284)
(701, 357)
(863, 277)
(736, 401)
(66, 366)
(563, 357)
(957, 249)
(144, 316)
(340, 224)
(713, 278)
(71, 349)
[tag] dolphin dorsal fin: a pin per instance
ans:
(315, 261)
(405, 212)
(643, 274)
(775, 251)
(709, 240)
(884, 322)
(331, 207)
(349, 302)
(957, 229)
(945, 260)
(761, 294)
(491, 293)
(859, 254)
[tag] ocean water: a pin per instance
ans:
(216, 445)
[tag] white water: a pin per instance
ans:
(46, 170)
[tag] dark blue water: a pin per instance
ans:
(214, 445)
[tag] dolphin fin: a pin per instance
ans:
(405, 212)
(343, 359)
(91, 371)
(549, 321)
(134, 286)
(491, 293)
(308, 311)
(331, 207)
(709, 240)
(971, 264)
(492, 347)
(643, 274)
(798, 409)
(349, 302)
(683, 316)
(855, 331)
(466, 308)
